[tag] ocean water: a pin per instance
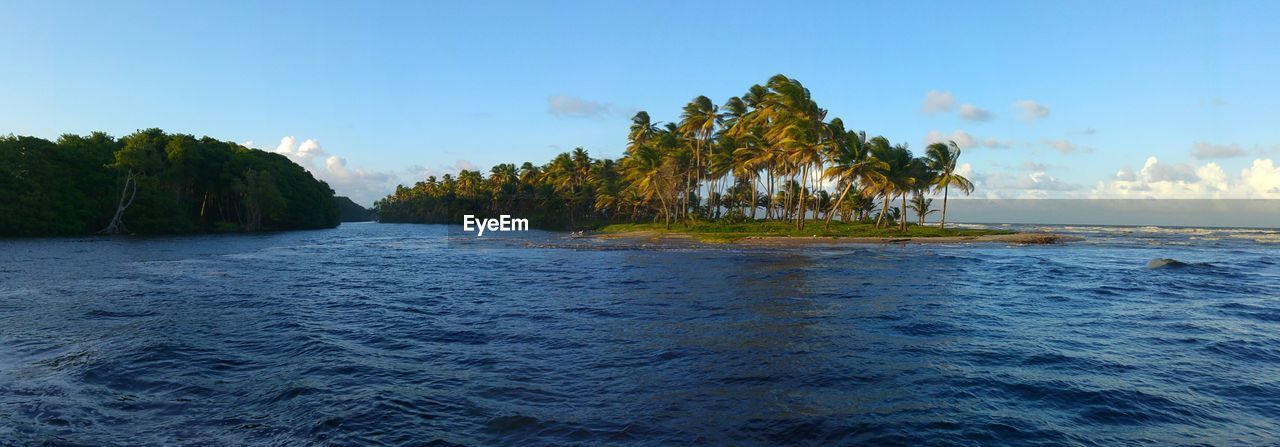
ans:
(378, 334)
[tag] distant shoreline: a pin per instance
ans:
(793, 241)
(786, 234)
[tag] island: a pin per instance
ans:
(768, 166)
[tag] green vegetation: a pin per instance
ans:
(769, 155)
(721, 231)
(151, 182)
(350, 211)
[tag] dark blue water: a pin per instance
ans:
(394, 335)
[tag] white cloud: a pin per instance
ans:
(1062, 145)
(962, 138)
(567, 106)
(996, 144)
(1041, 181)
(1031, 110)
(936, 102)
(965, 140)
(1263, 178)
(1126, 175)
(361, 185)
(1206, 151)
(310, 149)
(418, 173)
(1154, 171)
(1013, 185)
(1034, 166)
(1182, 181)
(970, 112)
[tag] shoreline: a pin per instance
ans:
(789, 241)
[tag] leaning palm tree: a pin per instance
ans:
(750, 157)
(795, 124)
(897, 160)
(698, 123)
(642, 129)
(719, 167)
(649, 175)
(942, 160)
(915, 178)
(852, 162)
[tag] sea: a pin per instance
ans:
(409, 335)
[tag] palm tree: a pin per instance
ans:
(921, 205)
(749, 157)
(773, 139)
(853, 162)
(914, 179)
(794, 123)
(504, 181)
(898, 178)
(942, 160)
(882, 185)
(649, 175)
(719, 166)
(698, 123)
(469, 183)
(642, 129)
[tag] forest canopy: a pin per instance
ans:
(152, 182)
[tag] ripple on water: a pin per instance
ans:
(372, 335)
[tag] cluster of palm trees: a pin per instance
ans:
(769, 154)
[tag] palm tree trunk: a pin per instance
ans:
(804, 178)
(754, 191)
(944, 206)
(768, 212)
(820, 180)
(827, 225)
(884, 210)
(666, 210)
(903, 218)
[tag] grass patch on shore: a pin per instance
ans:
(729, 232)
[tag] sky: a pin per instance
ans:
(1171, 99)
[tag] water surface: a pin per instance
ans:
(406, 335)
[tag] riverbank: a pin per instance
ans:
(785, 234)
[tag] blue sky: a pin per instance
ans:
(388, 92)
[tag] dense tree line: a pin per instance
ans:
(769, 154)
(151, 182)
(350, 211)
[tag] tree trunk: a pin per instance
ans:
(827, 225)
(203, 202)
(884, 211)
(753, 195)
(903, 216)
(945, 189)
(127, 195)
(666, 210)
(804, 178)
(768, 212)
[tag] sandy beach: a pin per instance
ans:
(784, 241)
